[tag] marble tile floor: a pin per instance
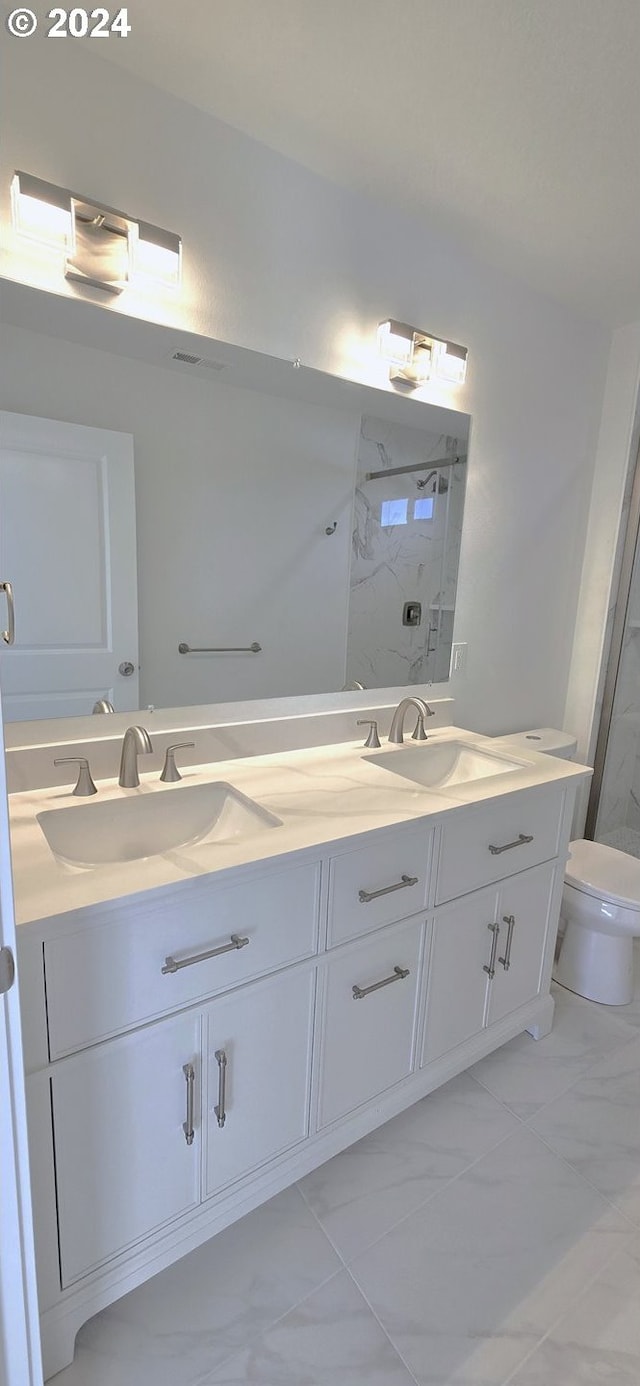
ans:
(489, 1235)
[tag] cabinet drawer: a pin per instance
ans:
(496, 840)
(378, 884)
(369, 1012)
(104, 979)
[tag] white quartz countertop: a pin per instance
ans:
(321, 796)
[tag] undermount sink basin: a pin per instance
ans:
(444, 764)
(145, 825)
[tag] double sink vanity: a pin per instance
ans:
(226, 981)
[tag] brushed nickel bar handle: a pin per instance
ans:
(509, 920)
(490, 967)
(365, 896)
(219, 1109)
(399, 973)
(519, 842)
(174, 964)
(9, 634)
(253, 648)
(190, 1078)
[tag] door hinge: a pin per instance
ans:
(7, 970)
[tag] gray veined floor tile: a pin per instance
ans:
(366, 1190)
(596, 1127)
(332, 1339)
(525, 1074)
(598, 1341)
(173, 1330)
(468, 1286)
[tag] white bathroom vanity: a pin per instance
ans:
(205, 1025)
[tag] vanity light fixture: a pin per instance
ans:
(102, 247)
(414, 356)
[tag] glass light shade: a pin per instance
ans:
(418, 370)
(157, 256)
(451, 362)
(421, 362)
(395, 342)
(41, 212)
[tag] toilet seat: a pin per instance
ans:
(604, 873)
(601, 913)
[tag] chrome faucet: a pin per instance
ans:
(423, 710)
(136, 742)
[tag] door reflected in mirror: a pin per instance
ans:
(293, 532)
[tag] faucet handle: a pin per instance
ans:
(170, 772)
(84, 784)
(419, 733)
(373, 740)
(103, 705)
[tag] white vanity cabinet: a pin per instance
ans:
(523, 916)
(368, 1012)
(487, 957)
(181, 1075)
(258, 1072)
(127, 1141)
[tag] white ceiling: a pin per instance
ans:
(512, 124)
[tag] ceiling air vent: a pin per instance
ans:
(188, 359)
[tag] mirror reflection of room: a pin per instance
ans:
(277, 532)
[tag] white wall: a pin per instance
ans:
(234, 490)
(285, 262)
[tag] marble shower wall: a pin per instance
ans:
(406, 548)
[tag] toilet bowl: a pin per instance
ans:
(600, 912)
(601, 916)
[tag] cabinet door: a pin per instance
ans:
(258, 1074)
(523, 916)
(368, 1024)
(124, 1165)
(461, 952)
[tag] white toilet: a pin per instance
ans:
(600, 903)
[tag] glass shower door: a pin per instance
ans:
(614, 806)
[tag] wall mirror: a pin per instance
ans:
(186, 522)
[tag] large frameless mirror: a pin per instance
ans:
(186, 522)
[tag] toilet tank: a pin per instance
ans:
(548, 740)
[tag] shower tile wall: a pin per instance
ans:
(415, 559)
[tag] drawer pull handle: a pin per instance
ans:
(520, 841)
(365, 896)
(399, 973)
(219, 1109)
(190, 1079)
(490, 967)
(509, 920)
(174, 965)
